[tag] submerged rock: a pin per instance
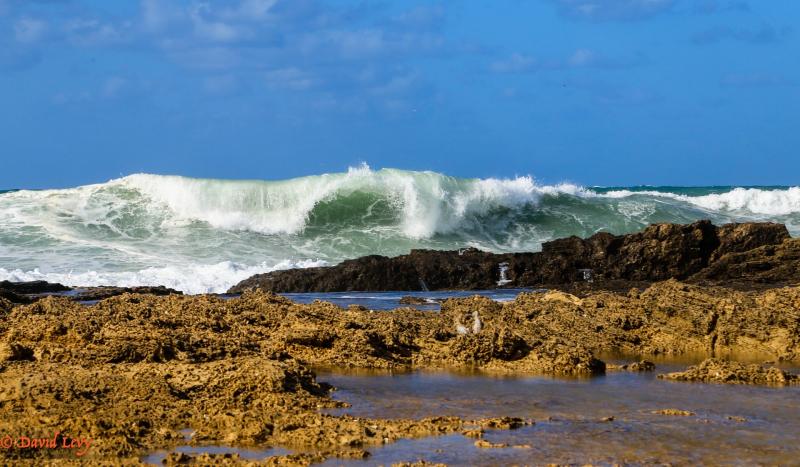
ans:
(419, 463)
(411, 300)
(640, 366)
(483, 444)
(659, 252)
(675, 412)
(502, 423)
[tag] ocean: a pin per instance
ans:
(204, 235)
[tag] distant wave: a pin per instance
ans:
(204, 235)
(745, 201)
(193, 279)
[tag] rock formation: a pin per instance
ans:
(661, 251)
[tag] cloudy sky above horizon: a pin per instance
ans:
(611, 92)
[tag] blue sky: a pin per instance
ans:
(608, 92)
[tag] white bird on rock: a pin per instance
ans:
(460, 328)
(477, 325)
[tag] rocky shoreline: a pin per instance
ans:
(29, 292)
(139, 366)
(746, 256)
(133, 371)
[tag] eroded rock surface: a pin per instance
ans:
(724, 371)
(765, 266)
(133, 371)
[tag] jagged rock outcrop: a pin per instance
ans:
(32, 287)
(29, 292)
(768, 265)
(659, 252)
(20, 292)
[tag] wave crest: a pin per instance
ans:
(423, 203)
(193, 233)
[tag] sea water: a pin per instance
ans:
(205, 235)
(731, 425)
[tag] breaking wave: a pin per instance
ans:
(203, 235)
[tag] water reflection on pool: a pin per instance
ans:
(742, 425)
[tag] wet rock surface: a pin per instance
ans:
(725, 371)
(410, 300)
(762, 267)
(641, 366)
(675, 412)
(132, 371)
(25, 292)
(32, 287)
(100, 293)
(29, 292)
(602, 261)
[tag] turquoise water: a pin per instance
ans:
(204, 235)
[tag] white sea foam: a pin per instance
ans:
(773, 202)
(192, 279)
(428, 202)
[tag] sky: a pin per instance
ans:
(595, 92)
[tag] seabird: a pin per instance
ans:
(477, 325)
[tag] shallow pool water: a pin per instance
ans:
(157, 458)
(741, 425)
(391, 300)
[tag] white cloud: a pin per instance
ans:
(220, 84)
(516, 63)
(211, 58)
(91, 32)
(422, 16)
(250, 10)
(397, 85)
(581, 57)
(155, 14)
(289, 78)
(352, 56)
(613, 10)
(29, 30)
(359, 43)
(113, 86)
(214, 30)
